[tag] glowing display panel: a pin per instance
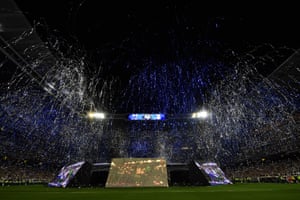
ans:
(137, 172)
(146, 117)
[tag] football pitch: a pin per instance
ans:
(231, 192)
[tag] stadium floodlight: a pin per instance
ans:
(96, 115)
(203, 114)
(143, 116)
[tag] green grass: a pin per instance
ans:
(230, 192)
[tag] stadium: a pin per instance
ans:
(147, 100)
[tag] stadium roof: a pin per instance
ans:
(20, 43)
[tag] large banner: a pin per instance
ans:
(214, 173)
(137, 172)
(65, 175)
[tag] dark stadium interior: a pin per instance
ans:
(60, 60)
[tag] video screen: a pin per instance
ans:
(65, 175)
(137, 172)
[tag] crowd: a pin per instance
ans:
(285, 170)
(23, 173)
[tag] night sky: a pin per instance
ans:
(164, 27)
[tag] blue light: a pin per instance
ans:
(143, 116)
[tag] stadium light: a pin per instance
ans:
(203, 114)
(96, 115)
